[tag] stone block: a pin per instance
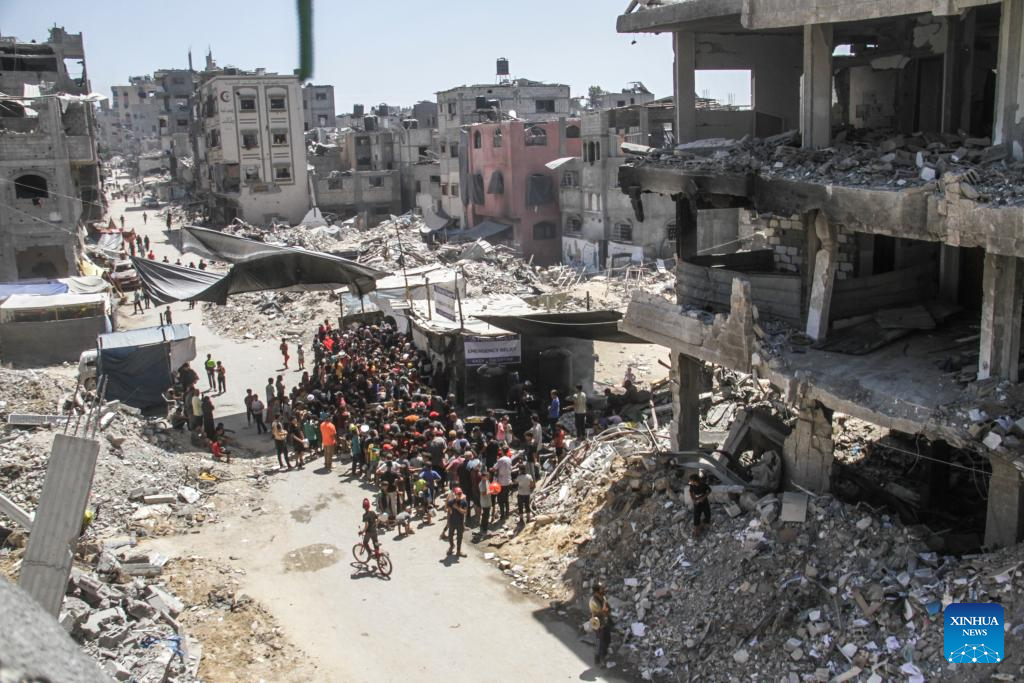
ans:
(163, 601)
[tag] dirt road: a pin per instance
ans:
(435, 617)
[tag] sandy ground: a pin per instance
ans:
(292, 556)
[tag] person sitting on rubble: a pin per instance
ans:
(700, 494)
(221, 432)
(219, 452)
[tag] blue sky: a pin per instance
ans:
(371, 51)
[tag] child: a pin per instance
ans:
(404, 520)
(219, 452)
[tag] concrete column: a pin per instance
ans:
(684, 46)
(686, 370)
(823, 279)
(1004, 524)
(807, 453)
(949, 273)
(1003, 287)
(1009, 106)
(816, 93)
(938, 474)
(645, 125)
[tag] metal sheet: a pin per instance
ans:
(47, 563)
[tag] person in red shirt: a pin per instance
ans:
(151, 256)
(219, 452)
(284, 352)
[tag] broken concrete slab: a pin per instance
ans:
(794, 507)
(160, 498)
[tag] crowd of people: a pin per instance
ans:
(370, 401)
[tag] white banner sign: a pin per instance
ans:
(444, 301)
(503, 350)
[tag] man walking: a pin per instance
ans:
(503, 475)
(222, 378)
(699, 494)
(284, 351)
(524, 484)
(248, 406)
(137, 302)
(458, 507)
(579, 412)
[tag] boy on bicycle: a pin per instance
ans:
(369, 529)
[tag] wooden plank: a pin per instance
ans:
(11, 509)
(47, 562)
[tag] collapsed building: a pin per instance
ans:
(49, 168)
(875, 268)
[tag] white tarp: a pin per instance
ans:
(578, 252)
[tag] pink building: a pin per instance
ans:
(508, 180)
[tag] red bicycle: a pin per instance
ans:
(363, 556)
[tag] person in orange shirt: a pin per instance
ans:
(328, 434)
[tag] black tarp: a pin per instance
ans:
(478, 188)
(257, 266)
(497, 183)
(593, 325)
(538, 190)
(136, 375)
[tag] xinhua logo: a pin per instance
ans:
(973, 633)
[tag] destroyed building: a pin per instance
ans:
(356, 174)
(461, 106)
(635, 93)
(875, 269)
(510, 184)
(49, 168)
(252, 154)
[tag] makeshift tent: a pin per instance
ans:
(41, 288)
(44, 329)
(257, 267)
(137, 364)
(594, 325)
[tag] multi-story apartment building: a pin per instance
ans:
(897, 193)
(599, 229)
(136, 110)
(49, 170)
(510, 182)
(318, 106)
(459, 107)
(252, 153)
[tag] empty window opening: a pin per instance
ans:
(31, 186)
(545, 106)
(477, 140)
(247, 103)
(250, 139)
(283, 173)
(536, 136)
(622, 232)
(728, 89)
(545, 230)
(375, 181)
(278, 104)
(572, 132)
(279, 137)
(497, 138)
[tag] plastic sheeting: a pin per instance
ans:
(138, 363)
(594, 325)
(8, 289)
(538, 190)
(257, 267)
(487, 230)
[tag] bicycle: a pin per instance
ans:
(362, 556)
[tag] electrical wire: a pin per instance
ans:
(58, 194)
(40, 220)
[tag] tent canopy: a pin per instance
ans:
(593, 325)
(144, 336)
(33, 302)
(257, 266)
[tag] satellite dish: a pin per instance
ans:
(512, 113)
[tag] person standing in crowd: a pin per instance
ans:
(280, 436)
(554, 409)
(211, 371)
(328, 436)
(137, 302)
(524, 489)
(222, 378)
(300, 356)
(257, 415)
(249, 396)
(503, 475)
(579, 412)
(167, 316)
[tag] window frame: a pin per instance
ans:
(283, 97)
(278, 179)
(255, 134)
(549, 227)
(245, 99)
(274, 132)
(618, 232)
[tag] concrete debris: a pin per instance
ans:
(860, 157)
(833, 594)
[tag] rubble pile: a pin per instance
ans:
(270, 315)
(859, 157)
(129, 624)
(838, 593)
